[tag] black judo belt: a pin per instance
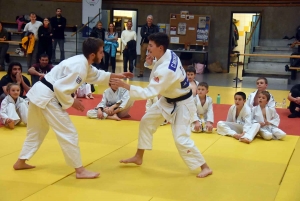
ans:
(181, 98)
(49, 85)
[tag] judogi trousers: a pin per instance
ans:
(18, 114)
(58, 119)
(271, 132)
(181, 131)
(231, 128)
(125, 112)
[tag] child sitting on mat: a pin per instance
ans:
(268, 118)
(239, 123)
(205, 113)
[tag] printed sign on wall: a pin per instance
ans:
(90, 8)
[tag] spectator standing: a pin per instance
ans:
(146, 30)
(45, 38)
(129, 52)
(3, 46)
(33, 26)
(58, 24)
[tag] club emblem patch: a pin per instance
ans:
(156, 79)
(78, 80)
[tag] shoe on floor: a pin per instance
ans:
(293, 115)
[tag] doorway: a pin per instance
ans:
(242, 40)
(120, 17)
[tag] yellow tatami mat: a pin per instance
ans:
(290, 186)
(241, 171)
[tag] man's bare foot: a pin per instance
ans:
(91, 97)
(87, 97)
(22, 165)
(114, 117)
(237, 136)
(205, 172)
(127, 116)
(136, 160)
(245, 140)
(82, 173)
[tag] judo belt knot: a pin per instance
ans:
(49, 85)
(180, 98)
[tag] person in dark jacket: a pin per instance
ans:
(45, 38)
(58, 24)
(98, 32)
(146, 30)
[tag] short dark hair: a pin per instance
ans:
(203, 84)
(58, 9)
(44, 55)
(267, 94)
(160, 39)
(11, 65)
(190, 69)
(263, 78)
(240, 93)
(91, 45)
(32, 13)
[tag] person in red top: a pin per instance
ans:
(38, 70)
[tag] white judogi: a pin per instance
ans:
(150, 101)
(110, 98)
(237, 125)
(204, 112)
(44, 109)
(17, 111)
(84, 90)
(270, 131)
(250, 100)
(169, 80)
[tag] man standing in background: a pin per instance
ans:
(33, 26)
(3, 46)
(129, 42)
(146, 30)
(58, 24)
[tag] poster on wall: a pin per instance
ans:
(181, 28)
(90, 8)
(202, 29)
(162, 27)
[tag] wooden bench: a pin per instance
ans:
(294, 68)
(11, 42)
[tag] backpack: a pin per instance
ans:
(295, 62)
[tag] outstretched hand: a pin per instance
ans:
(122, 75)
(78, 105)
(119, 83)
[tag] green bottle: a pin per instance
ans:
(218, 99)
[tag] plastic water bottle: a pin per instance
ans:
(218, 99)
(283, 105)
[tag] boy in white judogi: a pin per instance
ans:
(176, 104)
(268, 118)
(191, 74)
(14, 109)
(262, 84)
(84, 90)
(238, 123)
(49, 99)
(205, 111)
(115, 104)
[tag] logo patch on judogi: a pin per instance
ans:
(156, 79)
(78, 80)
(188, 151)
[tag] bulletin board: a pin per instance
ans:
(189, 29)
